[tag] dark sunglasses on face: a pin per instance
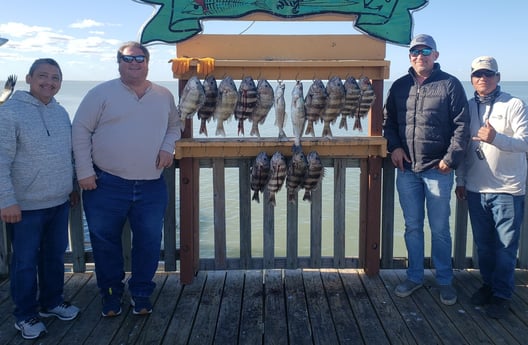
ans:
(130, 58)
(483, 73)
(424, 52)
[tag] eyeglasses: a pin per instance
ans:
(483, 73)
(130, 58)
(424, 52)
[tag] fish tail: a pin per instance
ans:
(309, 129)
(255, 130)
(203, 128)
(343, 123)
(220, 129)
(272, 199)
(291, 197)
(282, 134)
(357, 124)
(240, 127)
(327, 131)
(256, 196)
(307, 196)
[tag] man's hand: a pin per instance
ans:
(486, 133)
(88, 183)
(398, 156)
(11, 214)
(164, 159)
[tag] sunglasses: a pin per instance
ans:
(483, 73)
(130, 58)
(424, 52)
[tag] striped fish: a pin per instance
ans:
(314, 104)
(297, 169)
(260, 171)
(278, 170)
(192, 98)
(247, 100)
(365, 102)
(314, 175)
(280, 109)
(205, 113)
(334, 102)
(352, 96)
(265, 100)
(225, 104)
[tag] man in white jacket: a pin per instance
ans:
(493, 179)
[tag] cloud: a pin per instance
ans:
(86, 23)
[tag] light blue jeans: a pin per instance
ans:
(431, 189)
(496, 221)
(107, 208)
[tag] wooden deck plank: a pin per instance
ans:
(330, 306)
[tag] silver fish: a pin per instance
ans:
(265, 100)
(9, 86)
(225, 104)
(278, 170)
(192, 98)
(365, 102)
(352, 95)
(280, 109)
(314, 175)
(247, 100)
(334, 102)
(298, 115)
(314, 104)
(260, 172)
(297, 169)
(205, 113)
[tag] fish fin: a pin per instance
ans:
(203, 128)
(256, 196)
(291, 197)
(343, 123)
(240, 127)
(307, 196)
(327, 131)
(220, 129)
(357, 124)
(282, 134)
(255, 130)
(272, 199)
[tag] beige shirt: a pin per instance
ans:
(123, 134)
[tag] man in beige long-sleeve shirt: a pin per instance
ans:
(124, 134)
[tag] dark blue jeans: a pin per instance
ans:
(39, 242)
(496, 221)
(107, 208)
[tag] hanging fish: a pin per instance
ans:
(265, 100)
(192, 98)
(280, 109)
(225, 103)
(247, 100)
(9, 87)
(352, 95)
(314, 175)
(260, 172)
(314, 104)
(298, 116)
(278, 170)
(365, 101)
(297, 169)
(334, 103)
(205, 113)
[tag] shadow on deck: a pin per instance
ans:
(326, 306)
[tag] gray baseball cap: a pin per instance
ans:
(423, 40)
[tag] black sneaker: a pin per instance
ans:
(142, 305)
(111, 305)
(498, 308)
(482, 296)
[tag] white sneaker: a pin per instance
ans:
(31, 328)
(64, 311)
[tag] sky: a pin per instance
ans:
(83, 36)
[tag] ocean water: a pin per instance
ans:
(72, 92)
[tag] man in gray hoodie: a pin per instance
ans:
(36, 184)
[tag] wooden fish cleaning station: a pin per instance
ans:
(282, 57)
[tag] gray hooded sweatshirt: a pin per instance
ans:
(36, 169)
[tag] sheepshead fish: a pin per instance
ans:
(205, 113)
(314, 104)
(298, 115)
(260, 171)
(265, 100)
(297, 169)
(225, 103)
(9, 86)
(280, 109)
(365, 101)
(247, 100)
(192, 98)
(352, 95)
(278, 170)
(334, 102)
(314, 175)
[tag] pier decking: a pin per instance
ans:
(326, 306)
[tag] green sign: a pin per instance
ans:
(178, 20)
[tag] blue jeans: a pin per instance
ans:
(107, 209)
(496, 221)
(39, 241)
(431, 189)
